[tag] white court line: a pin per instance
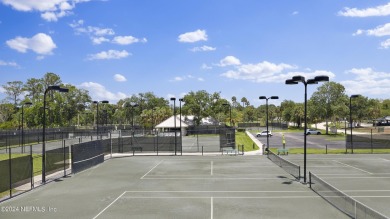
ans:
(211, 163)
(218, 178)
(152, 169)
(229, 191)
(358, 177)
(212, 208)
(352, 166)
(226, 197)
(109, 205)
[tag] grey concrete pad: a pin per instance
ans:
(174, 187)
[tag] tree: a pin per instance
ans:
(13, 90)
(34, 88)
(245, 102)
(326, 100)
(288, 107)
(50, 79)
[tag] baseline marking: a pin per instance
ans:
(109, 205)
(152, 169)
(212, 207)
(211, 163)
(351, 166)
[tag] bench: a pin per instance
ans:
(229, 150)
(282, 150)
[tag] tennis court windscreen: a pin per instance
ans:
(86, 155)
(289, 167)
(342, 201)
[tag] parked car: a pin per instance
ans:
(264, 133)
(312, 132)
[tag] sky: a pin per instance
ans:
(241, 48)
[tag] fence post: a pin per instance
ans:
(10, 171)
(63, 150)
(110, 146)
(372, 149)
(31, 168)
(326, 149)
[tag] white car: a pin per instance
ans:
(312, 132)
(264, 133)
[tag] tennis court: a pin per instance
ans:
(174, 187)
(365, 178)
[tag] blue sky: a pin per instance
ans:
(242, 48)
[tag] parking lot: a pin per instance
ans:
(295, 140)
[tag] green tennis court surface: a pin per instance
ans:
(195, 187)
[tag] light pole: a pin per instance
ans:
(174, 120)
(132, 118)
(97, 115)
(49, 88)
(296, 80)
(181, 138)
(230, 110)
(266, 109)
(24, 104)
(350, 116)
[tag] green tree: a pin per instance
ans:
(34, 88)
(326, 100)
(13, 90)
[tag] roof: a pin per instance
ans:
(170, 122)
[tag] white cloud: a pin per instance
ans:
(99, 40)
(4, 63)
(126, 40)
(119, 78)
(367, 81)
(269, 72)
(99, 92)
(382, 30)
(385, 44)
(110, 54)
(100, 35)
(191, 37)
(50, 10)
(295, 13)
(186, 77)
(206, 67)
(78, 27)
(40, 43)
(229, 60)
(382, 10)
(203, 49)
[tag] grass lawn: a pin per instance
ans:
(37, 161)
(243, 139)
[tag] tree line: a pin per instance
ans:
(76, 108)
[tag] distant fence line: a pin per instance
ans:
(19, 165)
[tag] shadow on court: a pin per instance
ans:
(174, 187)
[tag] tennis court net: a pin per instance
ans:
(342, 201)
(289, 167)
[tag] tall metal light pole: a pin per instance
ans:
(181, 134)
(230, 110)
(296, 80)
(24, 104)
(350, 116)
(97, 115)
(132, 118)
(266, 106)
(49, 88)
(174, 120)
